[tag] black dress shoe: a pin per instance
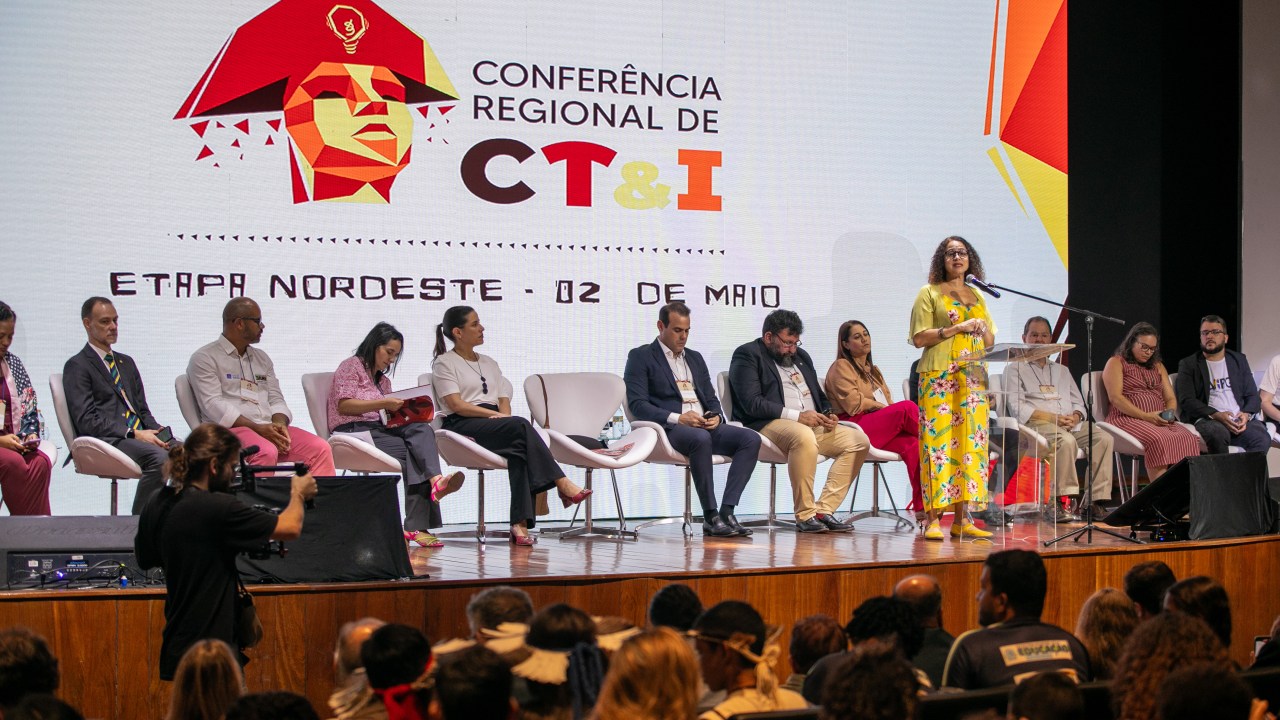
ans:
(812, 525)
(833, 524)
(715, 527)
(732, 522)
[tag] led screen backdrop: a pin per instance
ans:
(565, 167)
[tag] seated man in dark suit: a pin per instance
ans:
(1216, 393)
(777, 393)
(107, 400)
(669, 384)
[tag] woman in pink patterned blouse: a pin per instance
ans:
(358, 393)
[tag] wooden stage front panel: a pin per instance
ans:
(108, 640)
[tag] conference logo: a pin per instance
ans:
(345, 75)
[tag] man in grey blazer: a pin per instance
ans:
(107, 400)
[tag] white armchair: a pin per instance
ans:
(351, 451)
(89, 455)
(580, 404)
(664, 454)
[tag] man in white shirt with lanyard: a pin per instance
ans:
(236, 387)
(1044, 397)
(1216, 393)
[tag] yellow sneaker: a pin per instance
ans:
(966, 528)
(934, 532)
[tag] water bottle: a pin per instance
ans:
(618, 430)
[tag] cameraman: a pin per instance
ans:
(193, 530)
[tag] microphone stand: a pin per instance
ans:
(1087, 502)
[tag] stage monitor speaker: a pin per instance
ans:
(353, 533)
(57, 538)
(1226, 496)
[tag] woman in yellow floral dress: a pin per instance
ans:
(950, 322)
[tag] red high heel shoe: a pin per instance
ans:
(574, 499)
(525, 540)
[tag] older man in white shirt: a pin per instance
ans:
(235, 386)
(1044, 396)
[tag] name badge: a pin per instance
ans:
(879, 396)
(4, 407)
(1050, 392)
(798, 380)
(249, 391)
(687, 393)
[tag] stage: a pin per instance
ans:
(108, 640)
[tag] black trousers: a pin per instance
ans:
(530, 467)
(1218, 438)
(151, 458)
(697, 444)
(414, 447)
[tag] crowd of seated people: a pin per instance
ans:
(1159, 646)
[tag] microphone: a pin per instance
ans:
(246, 452)
(970, 279)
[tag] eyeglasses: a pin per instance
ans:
(786, 344)
(1143, 346)
(956, 254)
(1212, 333)
(257, 320)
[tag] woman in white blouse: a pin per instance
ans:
(477, 403)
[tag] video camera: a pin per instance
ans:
(247, 480)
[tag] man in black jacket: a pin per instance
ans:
(1216, 393)
(107, 400)
(777, 393)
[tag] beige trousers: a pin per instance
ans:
(1063, 446)
(802, 444)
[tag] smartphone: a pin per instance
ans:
(709, 414)
(1258, 642)
(165, 434)
(31, 444)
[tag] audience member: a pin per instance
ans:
(499, 617)
(1216, 393)
(1205, 598)
(1013, 643)
(398, 663)
(737, 653)
(859, 393)
(653, 676)
(873, 682)
(812, 638)
(1156, 648)
(107, 400)
(208, 681)
(25, 468)
(1043, 395)
(882, 621)
(473, 684)
(43, 707)
(276, 705)
(1143, 403)
(235, 386)
(358, 395)
(924, 595)
(352, 698)
(1106, 621)
(27, 667)
(1145, 584)
(1206, 690)
(777, 393)
(563, 667)
(1046, 696)
(669, 384)
(675, 606)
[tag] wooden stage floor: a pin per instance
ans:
(108, 640)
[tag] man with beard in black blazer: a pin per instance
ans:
(107, 400)
(777, 393)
